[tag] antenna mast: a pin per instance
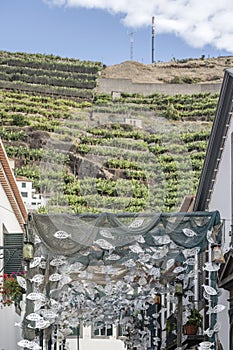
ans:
(131, 45)
(153, 37)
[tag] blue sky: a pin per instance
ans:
(100, 30)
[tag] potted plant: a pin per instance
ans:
(10, 289)
(194, 322)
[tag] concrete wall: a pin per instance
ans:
(126, 85)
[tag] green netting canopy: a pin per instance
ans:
(107, 268)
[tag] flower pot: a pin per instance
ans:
(191, 329)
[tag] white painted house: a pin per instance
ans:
(215, 193)
(13, 216)
(31, 199)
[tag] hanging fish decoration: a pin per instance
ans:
(48, 313)
(77, 266)
(179, 269)
(35, 262)
(106, 233)
(216, 309)
(144, 258)
(65, 280)
(55, 277)
(102, 243)
(38, 279)
(211, 267)
(136, 223)
(191, 252)
(205, 344)
(22, 282)
(42, 324)
(209, 290)
(162, 240)
(190, 261)
(24, 343)
(135, 248)
(36, 296)
(33, 317)
(113, 257)
(209, 332)
(62, 235)
(57, 262)
(188, 232)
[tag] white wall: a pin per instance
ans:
(9, 334)
(221, 201)
(86, 342)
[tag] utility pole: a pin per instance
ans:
(153, 37)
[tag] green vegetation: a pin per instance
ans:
(89, 153)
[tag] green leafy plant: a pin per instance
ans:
(10, 290)
(195, 318)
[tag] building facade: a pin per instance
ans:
(13, 216)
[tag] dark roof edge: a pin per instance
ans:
(216, 141)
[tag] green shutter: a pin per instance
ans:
(13, 252)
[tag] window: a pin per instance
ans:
(24, 194)
(23, 185)
(77, 332)
(102, 330)
(13, 254)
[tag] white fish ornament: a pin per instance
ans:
(62, 235)
(22, 282)
(33, 317)
(38, 279)
(57, 262)
(106, 233)
(35, 262)
(36, 296)
(24, 343)
(188, 232)
(102, 243)
(209, 290)
(136, 223)
(211, 267)
(216, 309)
(55, 277)
(135, 248)
(113, 257)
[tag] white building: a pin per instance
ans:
(31, 199)
(215, 193)
(13, 216)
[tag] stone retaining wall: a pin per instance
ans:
(126, 85)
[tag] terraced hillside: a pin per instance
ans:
(132, 154)
(48, 74)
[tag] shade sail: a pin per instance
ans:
(107, 268)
